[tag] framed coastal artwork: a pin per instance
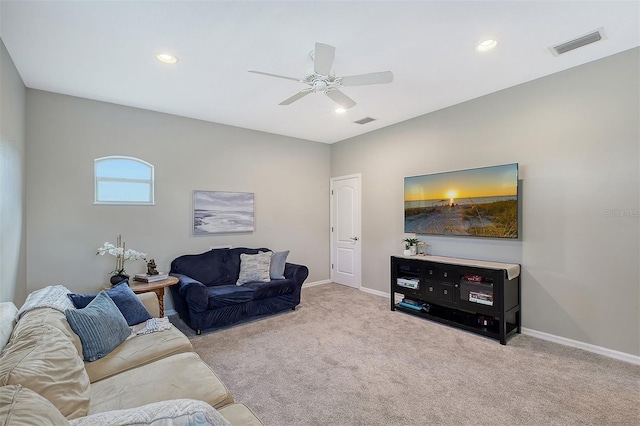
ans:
(216, 212)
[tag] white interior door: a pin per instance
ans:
(345, 230)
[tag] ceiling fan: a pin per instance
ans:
(320, 79)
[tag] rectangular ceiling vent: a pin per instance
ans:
(365, 120)
(570, 45)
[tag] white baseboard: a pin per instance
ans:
(315, 283)
(622, 356)
(610, 353)
(376, 292)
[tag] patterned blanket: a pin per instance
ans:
(151, 326)
(54, 296)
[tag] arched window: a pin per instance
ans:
(123, 180)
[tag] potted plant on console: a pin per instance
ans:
(410, 246)
(122, 255)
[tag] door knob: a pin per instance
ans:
(354, 238)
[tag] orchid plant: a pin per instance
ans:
(122, 255)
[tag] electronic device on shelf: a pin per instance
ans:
(408, 282)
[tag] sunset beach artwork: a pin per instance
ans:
(479, 202)
(219, 212)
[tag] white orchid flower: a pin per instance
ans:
(121, 254)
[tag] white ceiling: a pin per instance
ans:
(105, 50)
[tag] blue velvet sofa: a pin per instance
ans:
(207, 295)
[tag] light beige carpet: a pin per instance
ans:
(343, 358)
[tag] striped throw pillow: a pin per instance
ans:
(100, 326)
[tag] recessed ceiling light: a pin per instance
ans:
(486, 45)
(340, 110)
(167, 58)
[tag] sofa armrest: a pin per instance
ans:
(150, 301)
(298, 273)
(193, 292)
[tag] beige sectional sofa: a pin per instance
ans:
(43, 379)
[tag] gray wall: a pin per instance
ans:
(13, 287)
(575, 135)
(289, 177)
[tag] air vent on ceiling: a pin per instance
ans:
(584, 40)
(365, 120)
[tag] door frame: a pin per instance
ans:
(332, 245)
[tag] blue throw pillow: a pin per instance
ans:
(278, 260)
(100, 326)
(125, 299)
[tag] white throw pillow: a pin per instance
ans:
(254, 267)
(165, 413)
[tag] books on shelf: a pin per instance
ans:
(151, 278)
(412, 304)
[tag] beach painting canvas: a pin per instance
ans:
(216, 212)
(478, 202)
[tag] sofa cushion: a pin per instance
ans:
(179, 376)
(100, 325)
(240, 414)
(51, 317)
(225, 295)
(164, 413)
(209, 268)
(150, 302)
(254, 267)
(20, 406)
(272, 288)
(125, 299)
(8, 312)
(42, 357)
(278, 262)
(137, 351)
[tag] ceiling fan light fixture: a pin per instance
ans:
(167, 58)
(319, 85)
(486, 45)
(340, 110)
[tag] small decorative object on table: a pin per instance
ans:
(122, 255)
(151, 267)
(410, 246)
(424, 249)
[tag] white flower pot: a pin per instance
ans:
(407, 252)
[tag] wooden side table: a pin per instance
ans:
(157, 287)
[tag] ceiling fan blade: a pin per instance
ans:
(295, 97)
(274, 75)
(371, 78)
(323, 58)
(340, 98)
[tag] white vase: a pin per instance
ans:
(413, 250)
(407, 252)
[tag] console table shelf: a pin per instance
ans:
(477, 296)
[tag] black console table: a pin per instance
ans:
(474, 295)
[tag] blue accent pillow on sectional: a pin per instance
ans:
(125, 299)
(276, 269)
(100, 326)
